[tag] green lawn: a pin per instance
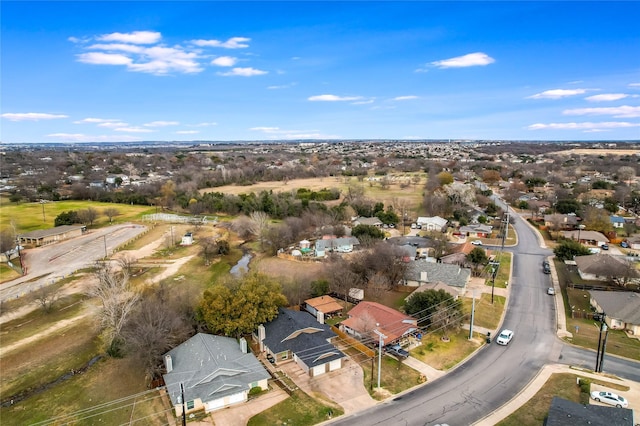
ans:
(445, 355)
(486, 315)
(395, 377)
(29, 216)
(299, 410)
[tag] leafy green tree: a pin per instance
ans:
(477, 257)
(597, 219)
(238, 308)
(319, 288)
(567, 249)
(567, 206)
(425, 304)
(67, 218)
(367, 230)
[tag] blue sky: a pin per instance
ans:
(84, 71)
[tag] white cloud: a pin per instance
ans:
(557, 93)
(164, 60)
(624, 111)
(187, 132)
(469, 60)
(232, 43)
(243, 72)
(113, 124)
(277, 133)
(212, 123)
(405, 98)
(161, 123)
(133, 129)
(224, 61)
(95, 120)
(634, 84)
(589, 126)
(100, 58)
(283, 86)
(333, 98)
(135, 37)
(79, 137)
(129, 48)
(365, 102)
(31, 116)
(606, 97)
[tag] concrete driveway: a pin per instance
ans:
(344, 386)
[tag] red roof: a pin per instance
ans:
(367, 316)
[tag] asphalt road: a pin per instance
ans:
(48, 264)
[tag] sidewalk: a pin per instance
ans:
(632, 395)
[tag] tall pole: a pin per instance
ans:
(493, 282)
(43, 218)
(184, 410)
(381, 336)
(604, 347)
(473, 309)
(104, 237)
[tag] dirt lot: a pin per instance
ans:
(311, 183)
(290, 269)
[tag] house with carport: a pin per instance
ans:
(432, 223)
(214, 371)
(593, 238)
(424, 273)
(296, 336)
(323, 307)
(603, 267)
(368, 317)
(621, 309)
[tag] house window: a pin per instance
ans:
(285, 355)
(190, 405)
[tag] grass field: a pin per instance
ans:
(486, 315)
(29, 217)
(395, 377)
(445, 355)
(299, 409)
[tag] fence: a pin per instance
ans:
(351, 341)
(175, 218)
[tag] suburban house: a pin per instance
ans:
(297, 336)
(422, 272)
(373, 221)
(593, 238)
(339, 245)
(458, 254)
(617, 221)
(323, 307)
(477, 230)
(412, 247)
(558, 221)
(563, 412)
(621, 309)
(454, 292)
(434, 223)
(634, 241)
(43, 237)
(215, 372)
(367, 317)
(602, 267)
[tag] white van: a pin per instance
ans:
(594, 250)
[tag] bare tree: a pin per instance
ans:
(111, 212)
(157, 324)
(126, 263)
(88, 215)
(117, 297)
(377, 284)
(46, 297)
(243, 226)
(341, 278)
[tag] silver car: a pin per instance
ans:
(610, 398)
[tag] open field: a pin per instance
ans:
(33, 216)
(598, 152)
(411, 194)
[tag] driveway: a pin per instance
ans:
(344, 386)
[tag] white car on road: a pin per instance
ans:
(609, 398)
(476, 242)
(504, 337)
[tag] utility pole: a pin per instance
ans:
(473, 309)
(601, 344)
(184, 410)
(43, 218)
(381, 336)
(104, 237)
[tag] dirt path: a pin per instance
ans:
(55, 327)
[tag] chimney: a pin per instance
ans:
(168, 363)
(423, 276)
(243, 345)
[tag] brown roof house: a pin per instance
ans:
(593, 238)
(368, 317)
(621, 309)
(602, 267)
(323, 307)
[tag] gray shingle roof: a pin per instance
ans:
(622, 305)
(300, 333)
(452, 275)
(604, 265)
(40, 233)
(211, 367)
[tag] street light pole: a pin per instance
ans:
(381, 336)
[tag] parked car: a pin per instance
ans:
(610, 398)
(551, 291)
(624, 244)
(546, 269)
(476, 242)
(605, 247)
(504, 337)
(397, 351)
(271, 359)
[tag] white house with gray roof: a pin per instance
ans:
(422, 272)
(215, 372)
(621, 309)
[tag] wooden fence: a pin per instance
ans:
(353, 342)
